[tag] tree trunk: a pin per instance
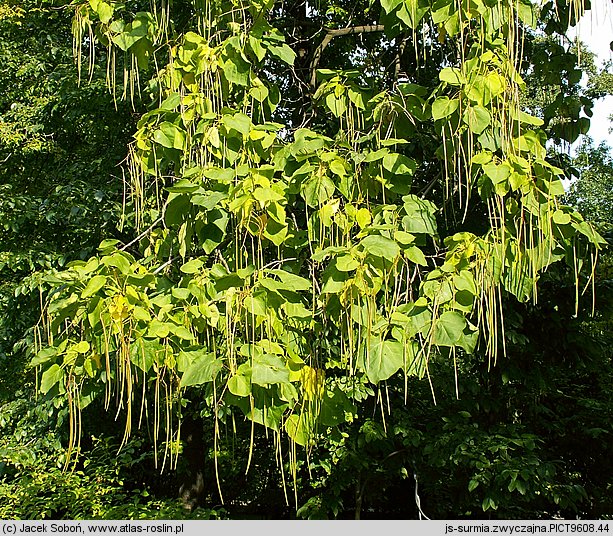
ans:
(192, 483)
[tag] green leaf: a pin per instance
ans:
(337, 167)
(527, 13)
(561, 218)
(416, 255)
(494, 85)
(555, 187)
(415, 360)
(482, 157)
(337, 105)
(442, 11)
(170, 136)
(204, 369)
(88, 365)
(390, 5)
(517, 180)
(452, 76)
(449, 329)
(346, 263)
(183, 186)
(158, 329)
(443, 107)
(256, 305)
(283, 52)
(268, 369)
(140, 280)
(239, 122)
(257, 48)
(497, 172)
(363, 217)
(399, 164)
(288, 393)
(140, 313)
(105, 12)
(358, 98)
(297, 429)
(181, 331)
(93, 286)
(192, 267)
(117, 260)
(44, 355)
(335, 407)
(171, 102)
(488, 503)
(236, 70)
(177, 210)
(240, 383)
(54, 374)
(412, 12)
(384, 359)
(144, 352)
(373, 156)
(126, 39)
(477, 118)
(208, 200)
(266, 195)
(420, 218)
(526, 118)
(317, 190)
(291, 281)
(469, 340)
(380, 246)
(275, 232)
(81, 347)
(267, 409)
(404, 238)
(465, 281)
(588, 231)
(297, 310)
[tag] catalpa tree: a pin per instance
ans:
(326, 196)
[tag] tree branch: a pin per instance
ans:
(331, 34)
(401, 46)
(143, 234)
(165, 265)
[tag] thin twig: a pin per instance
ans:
(143, 234)
(426, 189)
(167, 263)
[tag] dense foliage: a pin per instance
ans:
(336, 256)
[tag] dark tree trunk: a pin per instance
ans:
(192, 489)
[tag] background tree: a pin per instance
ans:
(61, 145)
